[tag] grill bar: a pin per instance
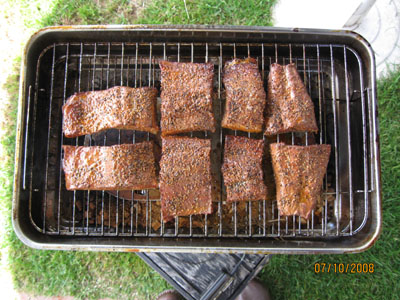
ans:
(365, 145)
(90, 215)
(338, 196)
(48, 137)
(371, 136)
(264, 204)
(349, 139)
(221, 133)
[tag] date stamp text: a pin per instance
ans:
(351, 268)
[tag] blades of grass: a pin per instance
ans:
(251, 12)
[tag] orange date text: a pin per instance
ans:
(348, 268)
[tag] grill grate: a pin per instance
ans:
(341, 100)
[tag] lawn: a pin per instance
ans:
(124, 275)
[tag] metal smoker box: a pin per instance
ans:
(338, 69)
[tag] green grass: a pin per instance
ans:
(124, 275)
(68, 12)
(84, 274)
(210, 12)
(292, 276)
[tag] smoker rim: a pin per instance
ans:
(108, 244)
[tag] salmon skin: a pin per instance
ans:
(299, 172)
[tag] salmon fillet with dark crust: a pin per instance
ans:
(185, 177)
(242, 169)
(245, 96)
(119, 107)
(186, 97)
(289, 107)
(299, 172)
(120, 167)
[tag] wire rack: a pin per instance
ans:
(332, 73)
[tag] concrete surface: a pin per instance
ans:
(379, 24)
(313, 13)
(381, 27)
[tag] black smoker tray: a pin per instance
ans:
(338, 69)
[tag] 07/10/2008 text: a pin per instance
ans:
(352, 268)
